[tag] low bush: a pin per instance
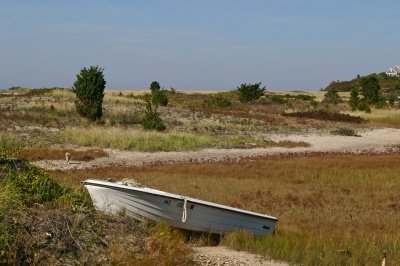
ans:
(250, 92)
(324, 115)
(345, 131)
(278, 99)
(152, 119)
(159, 97)
(217, 101)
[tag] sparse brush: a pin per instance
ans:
(345, 131)
(324, 115)
(217, 101)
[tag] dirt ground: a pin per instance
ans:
(223, 256)
(372, 141)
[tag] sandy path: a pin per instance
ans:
(223, 256)
(374, 141)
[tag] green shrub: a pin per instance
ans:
(391, 99)
(313, 103)
(304, 97)
(354, 99)
(370, 89)
(380, 101)
(89, 89)
(364, 106)
(278, 99)
(152, 119)
(159, 98)
(332, 96)
(250, 92)
(217, 101)
(35, 186)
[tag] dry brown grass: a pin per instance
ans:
(59, 154)
(336, 197)
(318, 184)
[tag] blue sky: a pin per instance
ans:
(197, 44)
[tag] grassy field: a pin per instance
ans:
(332, 209)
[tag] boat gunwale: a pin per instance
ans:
(108, 184)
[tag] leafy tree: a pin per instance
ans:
(370, 89)
(155, 86)
(250, 92)
(332, 96)
(152, 119)
(89, 90)
(354, 99)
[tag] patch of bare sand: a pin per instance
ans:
(223, 256)
(372, 141)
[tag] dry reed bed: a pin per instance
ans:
(333, 209)
(131, 139)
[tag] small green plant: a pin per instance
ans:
(159, 98)
(152, 119)
(89, 89)
(364, 106)
(332, 96)
(250, 92)
(391, 99)
(354, 99)
(313, 104)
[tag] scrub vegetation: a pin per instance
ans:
(333, 209)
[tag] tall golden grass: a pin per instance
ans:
(381, 117)
(332, 209)
(141, 140)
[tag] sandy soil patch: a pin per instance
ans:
(223, 256)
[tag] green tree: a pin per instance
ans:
(332, 96)
(370, 89)
(89, 90)
(155, 86)
(354, 99)
(250, 92)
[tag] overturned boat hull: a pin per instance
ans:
(178, 211)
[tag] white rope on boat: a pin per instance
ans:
(184, 210)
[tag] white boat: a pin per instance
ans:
(182, 212)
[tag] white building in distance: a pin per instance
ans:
(393, 71)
